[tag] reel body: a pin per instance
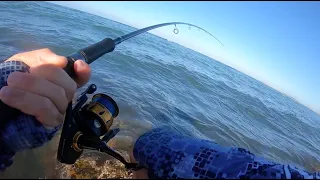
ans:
(87, 126)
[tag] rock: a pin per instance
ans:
(82, 169)
(87, 167)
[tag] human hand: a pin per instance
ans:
(140, 174)
(47, 89)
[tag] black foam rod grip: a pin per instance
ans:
(93, 52)
(69, 68)
(89, 54)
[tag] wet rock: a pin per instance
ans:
(87, 167)
(83, 170)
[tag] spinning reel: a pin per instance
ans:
(87, 126)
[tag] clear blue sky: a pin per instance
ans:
(277, 43)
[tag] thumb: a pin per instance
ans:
(83, 72)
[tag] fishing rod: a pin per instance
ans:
(93, 52)
(118, 40)
(86, 126)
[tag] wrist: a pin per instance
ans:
(26, 132)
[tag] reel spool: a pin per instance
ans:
(100, 113)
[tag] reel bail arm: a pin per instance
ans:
(92, 143)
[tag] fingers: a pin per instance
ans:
(46, 56)
(40, 57)
(140, 174)
(40, 86)
(40, 107)
(83, 72)
(57, 76)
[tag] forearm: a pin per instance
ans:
(167, 154)
(21, 134)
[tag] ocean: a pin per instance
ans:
(160, 83)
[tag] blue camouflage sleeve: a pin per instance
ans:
(167, 154)
(21, 134)
(24, 132)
